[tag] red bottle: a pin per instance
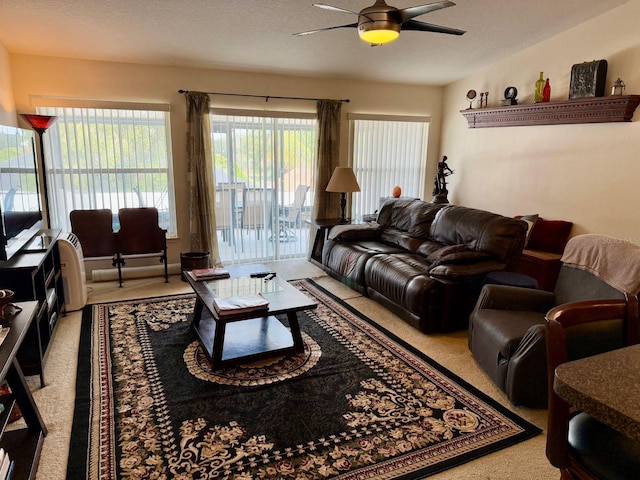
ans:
(546, 92)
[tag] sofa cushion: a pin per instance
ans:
(396, 213)
(453, 254)
(422, 216)
(499, 236)
(401, 239)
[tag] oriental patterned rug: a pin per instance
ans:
(357, 403)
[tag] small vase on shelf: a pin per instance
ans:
(539, 89)
(546, 92)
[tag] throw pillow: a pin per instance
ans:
(549, 235)
(531, 222)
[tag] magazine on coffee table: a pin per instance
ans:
(240, 304)
(209, 273)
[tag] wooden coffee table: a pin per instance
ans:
(252, 336)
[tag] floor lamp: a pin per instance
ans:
(343, 180)
(40, 123)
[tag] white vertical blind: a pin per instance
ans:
(109, 158)
(387, 152)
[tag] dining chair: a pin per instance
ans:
(578, 444)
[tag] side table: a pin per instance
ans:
(323, 227)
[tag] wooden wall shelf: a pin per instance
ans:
(584, 110)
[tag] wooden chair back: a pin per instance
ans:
(577, 330)
(94, 229)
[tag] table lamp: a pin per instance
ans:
(343, 180)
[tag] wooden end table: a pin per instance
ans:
(252, 336)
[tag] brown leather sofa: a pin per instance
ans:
(424, 261)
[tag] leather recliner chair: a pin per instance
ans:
(507, 326)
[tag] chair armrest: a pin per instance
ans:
(526, 381)
(504, 297)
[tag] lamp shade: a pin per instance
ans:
(343, 180)
(39, 122)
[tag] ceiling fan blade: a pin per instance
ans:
(335, 9)
(309, 32)
(429, 27)
(411, 12)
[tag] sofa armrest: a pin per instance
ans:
(458, 271)
(362, 231)
(504, 297)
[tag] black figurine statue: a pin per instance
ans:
(440, 184)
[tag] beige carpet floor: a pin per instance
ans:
(524, 461)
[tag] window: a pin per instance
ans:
(387, 151)
(265, 165)
(109, 158)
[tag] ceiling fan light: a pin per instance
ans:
(379, 36)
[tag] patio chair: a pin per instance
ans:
(290, 216)
(225, 213)
(256, 209)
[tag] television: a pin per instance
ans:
(20, 209)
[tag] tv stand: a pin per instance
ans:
(35, 274)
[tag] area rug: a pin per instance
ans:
(357, 403)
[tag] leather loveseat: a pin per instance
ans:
(425, 262)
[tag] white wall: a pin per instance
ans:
(587, 174)
(57, 77)
(7, 105)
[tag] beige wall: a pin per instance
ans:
(35, 77)
(588, 174)
(7, 106)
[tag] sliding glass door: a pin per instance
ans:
(265, 167)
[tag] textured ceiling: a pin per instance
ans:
(256, 35)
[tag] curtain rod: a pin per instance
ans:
(266, 97)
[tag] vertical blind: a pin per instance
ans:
(387, 152)
(109, 158)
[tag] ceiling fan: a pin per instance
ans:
(381, 23)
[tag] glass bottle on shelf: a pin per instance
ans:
(539, 89)
(546, 92)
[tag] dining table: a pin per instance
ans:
(605, 386)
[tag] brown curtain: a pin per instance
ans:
(202, 222)
(327, 205)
